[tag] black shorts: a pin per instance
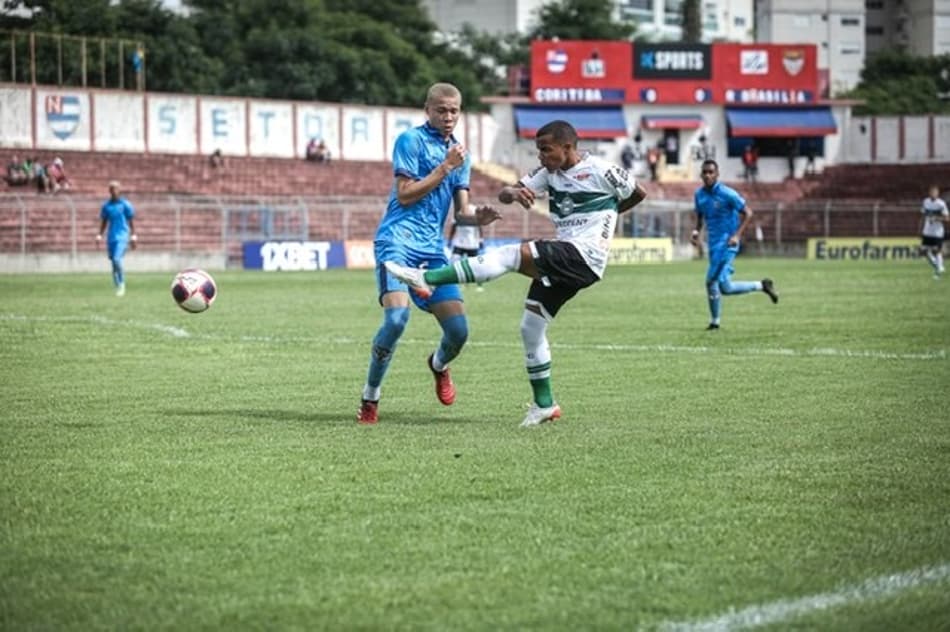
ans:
(565, 271)
(468, 252)
(931, 242)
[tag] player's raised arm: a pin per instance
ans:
(517, 193)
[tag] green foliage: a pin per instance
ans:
(692, 21)
(166, 470)
(581, 20)
(894, 82)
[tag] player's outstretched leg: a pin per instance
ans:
(413, 277)
(768, 286)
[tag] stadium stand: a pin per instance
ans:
(193, 207)
(892, 182)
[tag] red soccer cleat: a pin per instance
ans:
(444, 388)
(368, 413)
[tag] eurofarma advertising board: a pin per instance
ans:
(863, 249)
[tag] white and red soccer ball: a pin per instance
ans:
(194, 290)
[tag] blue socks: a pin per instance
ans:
(454, 335)
(394, 323)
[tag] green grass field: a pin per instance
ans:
(160, 470)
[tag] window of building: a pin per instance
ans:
(850, 49)
(850, 21)
(874, 4)
(738, 21)
(874, 30)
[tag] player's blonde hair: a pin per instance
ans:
(443, 91)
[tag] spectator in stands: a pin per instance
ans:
(430, 177)
(56, 178)
(791, 153)
(117, 213)
(725, 214)
(653, 160)
(706, 151)
(934, 215)
(810, 151)
(750, 160)
(317, 151)
(217, 159)
(17, 172)
(39, 175)
(627, 156)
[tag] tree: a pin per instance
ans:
(894, 82)
(692, 21)
(581, 20)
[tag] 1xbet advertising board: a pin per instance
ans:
(623, 72)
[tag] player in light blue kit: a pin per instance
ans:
(725, 214)
(118, 215)
(431, 173)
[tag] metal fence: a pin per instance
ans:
(67, 224)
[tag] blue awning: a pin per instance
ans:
(813, 121)
(590, 122)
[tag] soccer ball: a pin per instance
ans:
(194, 290)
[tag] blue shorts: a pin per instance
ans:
(720, 264)
(117, 249)
(407, 256)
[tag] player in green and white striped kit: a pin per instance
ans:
(585, 195)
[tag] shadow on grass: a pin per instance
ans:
(402, 418)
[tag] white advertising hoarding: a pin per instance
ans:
(15, 128)
(172, 124)
(119, 122)
(62, 120)
(363, 137)
(99, 120)
(223, 126)
(272, 129)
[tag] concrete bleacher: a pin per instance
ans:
(891, 182)
(90, 173)
(185, 204)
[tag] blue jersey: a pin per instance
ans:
(117, 213)
(420, 226)
(719, 207)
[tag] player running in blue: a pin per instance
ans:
(725, 215)
(117, 213)
(431, 173)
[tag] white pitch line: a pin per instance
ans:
(180, 332)
(785, 609)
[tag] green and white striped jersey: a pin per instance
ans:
(582, 202)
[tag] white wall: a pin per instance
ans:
(110, 120)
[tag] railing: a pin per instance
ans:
(67, 224)
(782, 223)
